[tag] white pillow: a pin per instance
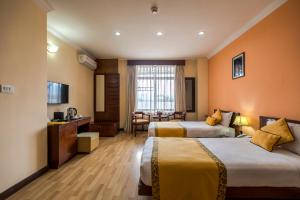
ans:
(295, 129)
(295, 145)
(270, 121)
(226, 118)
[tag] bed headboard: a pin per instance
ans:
(263, 120)
(234, 114)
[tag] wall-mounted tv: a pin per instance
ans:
(58, 93)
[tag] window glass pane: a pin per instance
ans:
(155, 88)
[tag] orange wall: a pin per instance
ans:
(272, 83)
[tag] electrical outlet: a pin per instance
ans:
(8, 89)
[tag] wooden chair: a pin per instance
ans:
(139, 119)
(177, 116)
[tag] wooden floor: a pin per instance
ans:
(110, 172)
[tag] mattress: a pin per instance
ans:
(199, 129)
(247, 164)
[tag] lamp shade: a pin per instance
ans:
(240, 121)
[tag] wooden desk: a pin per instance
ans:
(62, 140)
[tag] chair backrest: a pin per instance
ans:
(179, 115)
(137, 115)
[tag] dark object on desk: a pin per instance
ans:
(71, 113)
(62, 140)
(59, 115)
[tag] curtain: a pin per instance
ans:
(131, 85)
(155, 90)
(180, 89)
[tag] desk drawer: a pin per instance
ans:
(83, 121)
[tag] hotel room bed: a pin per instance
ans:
(252, 172)
(197, 129)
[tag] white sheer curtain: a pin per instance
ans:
(155, 88)
(180, 89)
(131, 96)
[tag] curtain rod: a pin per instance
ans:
(156, 62)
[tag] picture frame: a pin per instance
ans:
(238, 66)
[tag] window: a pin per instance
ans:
(155, 88)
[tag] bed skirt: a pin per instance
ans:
(235, 193)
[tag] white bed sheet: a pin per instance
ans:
(247, 164)
(199, 129)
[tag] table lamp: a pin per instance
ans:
(240, 121)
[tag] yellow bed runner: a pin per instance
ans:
(169, 129)
(184, 169)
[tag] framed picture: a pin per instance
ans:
(238, 66)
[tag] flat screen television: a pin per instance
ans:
(58, 93)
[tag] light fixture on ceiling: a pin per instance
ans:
(159, 33)
(201, 33)
(154, 10)
(117, 33)
(52, 48)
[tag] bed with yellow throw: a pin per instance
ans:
(190, 129)
(215, 168)
(169, 129)
(195, 129)
(177, 174)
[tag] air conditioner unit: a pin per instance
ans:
(87, 61)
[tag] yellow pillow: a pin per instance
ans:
(265, 140)
(281, 128)
(211, 121)
(218, 116)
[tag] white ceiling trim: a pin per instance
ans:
(61, 37)
(44, 4)
(265, 12)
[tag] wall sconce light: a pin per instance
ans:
(51, 48)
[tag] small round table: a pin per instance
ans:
(160, 117)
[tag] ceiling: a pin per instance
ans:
(91, 25)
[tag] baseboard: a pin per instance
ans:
(13, 189)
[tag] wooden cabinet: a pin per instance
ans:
(107, 98)
(62, 143)
(105, 128)
(111, 111)
(62, 140)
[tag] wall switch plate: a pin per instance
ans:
(8, 89)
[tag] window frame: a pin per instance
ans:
(155, 79)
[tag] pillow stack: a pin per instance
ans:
(215, 118)
(274, 134)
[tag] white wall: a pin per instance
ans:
(23, 115)
(63, 67)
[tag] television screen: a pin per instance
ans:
(58, 93)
